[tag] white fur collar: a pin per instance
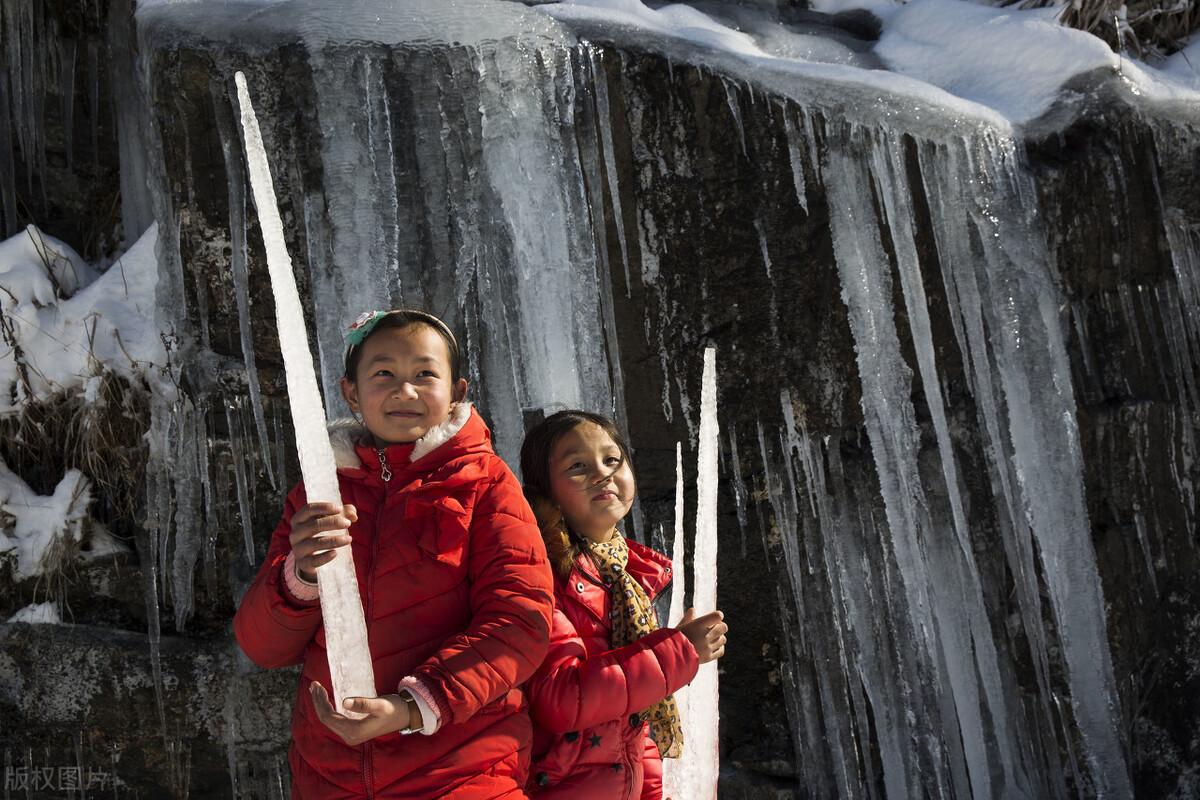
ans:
(346, 433)
(438, 435)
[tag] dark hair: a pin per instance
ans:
(562, 544)
(402, 318)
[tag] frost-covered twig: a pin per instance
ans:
(39, 246)
(18, 354)
(133, 362)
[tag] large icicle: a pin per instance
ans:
(894, 434)
(1019, 345)
(341, 607)
(673, 769)
(604, 125)
(704, 703)
(694, 774)
(678, 582)
(960, 646)
(131, 107)
(359, 193)
(238, 261)
(974, 630)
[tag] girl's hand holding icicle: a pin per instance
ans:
(707, 633)
(317, 529)
(386, 714)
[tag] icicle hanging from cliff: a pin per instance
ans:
(345, 627)
(239, 267)
(1018, 348)
(455, 184)
(132, 108)
(358, 197)
(955, 646)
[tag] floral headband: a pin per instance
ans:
(361, 328)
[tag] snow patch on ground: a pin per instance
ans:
(38, 614)
(65, 323)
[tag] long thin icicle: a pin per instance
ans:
(238, 261)
(678, 582)
(675, 771)
(673, 774)
(341, 607)
(694, 774)
(704, 704)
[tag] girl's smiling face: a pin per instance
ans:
(591, 481)
(403, 386)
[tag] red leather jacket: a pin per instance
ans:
(589, 739)
(457, 592)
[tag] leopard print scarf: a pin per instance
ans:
(632, 618)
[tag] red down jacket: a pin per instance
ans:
(457, 592)
(589, 739)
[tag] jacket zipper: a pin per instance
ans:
(368, 777)
(385, 472)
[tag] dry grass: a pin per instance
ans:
(1145, 28)
(103, 439)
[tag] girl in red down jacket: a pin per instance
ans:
(602, 715)
(453, 575)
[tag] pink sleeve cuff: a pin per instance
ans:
(297, 587)
(431, 712)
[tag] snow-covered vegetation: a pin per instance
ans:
(77, 340)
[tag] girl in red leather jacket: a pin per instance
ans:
(602, 702)
(453, 575)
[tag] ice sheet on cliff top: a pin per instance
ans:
(319, 22)
(985, 65)
(995, 66)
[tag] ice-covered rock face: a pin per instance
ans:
(324, 23)
(871, 255)
(436, 170)
(958, 366)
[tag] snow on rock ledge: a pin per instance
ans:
(64, 323)
(40, 526)
(1001, 66)
(38, 614)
